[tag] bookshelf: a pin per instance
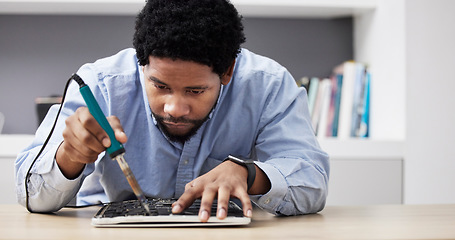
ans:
(373, 19)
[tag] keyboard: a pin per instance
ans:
(131, 213)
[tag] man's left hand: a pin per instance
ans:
(226, 180)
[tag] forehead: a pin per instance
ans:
(169, 71)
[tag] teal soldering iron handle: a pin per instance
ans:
(116, 147)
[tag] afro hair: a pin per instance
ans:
(208, 32)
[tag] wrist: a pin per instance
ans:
(249, 165)
(70, 169)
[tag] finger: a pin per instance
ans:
(94, 135)
(79, 150)
(223, 202)
(118, 129)
(244, 198)
(186, 199)
(206, 203)
(75, 155)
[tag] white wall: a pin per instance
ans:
(430, 126)
(379, 39)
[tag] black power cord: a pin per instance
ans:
(27, 176)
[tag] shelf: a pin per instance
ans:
(363, 149)
(303, 8)
(248, 8)
(11, 145)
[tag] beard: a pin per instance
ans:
(182, 138)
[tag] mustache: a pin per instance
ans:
(174, 119)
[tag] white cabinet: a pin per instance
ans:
(7, 188)
(362, 171)
(10, 145)
(365, 171)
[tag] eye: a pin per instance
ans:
(196, 91)
(160, 87)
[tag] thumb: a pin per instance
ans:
(120, 135)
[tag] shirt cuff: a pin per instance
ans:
(272, 200)
(54, 176)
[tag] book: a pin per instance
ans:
(332, 118)
(337, 100)
(325, 97)
(357, 99)
(331, 112)
(317, 107)
(364, 123)
(347, 99)
(312, 92)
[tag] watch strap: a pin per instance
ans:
(250, 166)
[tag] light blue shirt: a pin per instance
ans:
(260, 114)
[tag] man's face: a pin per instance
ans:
(181, 95)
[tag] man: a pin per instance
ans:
(183, 100)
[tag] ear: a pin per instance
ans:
(226, 78)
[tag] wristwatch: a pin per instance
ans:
(250, 166)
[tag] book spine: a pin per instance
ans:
(331, 114)
(312, 92)
(357, 102)
(336, 116)
(365, 122)
(317, 107)
(326, 93)
(346, 101)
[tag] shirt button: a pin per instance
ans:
(267, 201)
(185, 162)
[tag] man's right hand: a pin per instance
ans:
(84, 140)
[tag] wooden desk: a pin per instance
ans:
(366, 222)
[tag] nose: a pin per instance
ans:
(176, 106)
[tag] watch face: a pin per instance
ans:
(236, 159)
(239, 160)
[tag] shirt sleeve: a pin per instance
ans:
(48, 189)
(289, 154)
